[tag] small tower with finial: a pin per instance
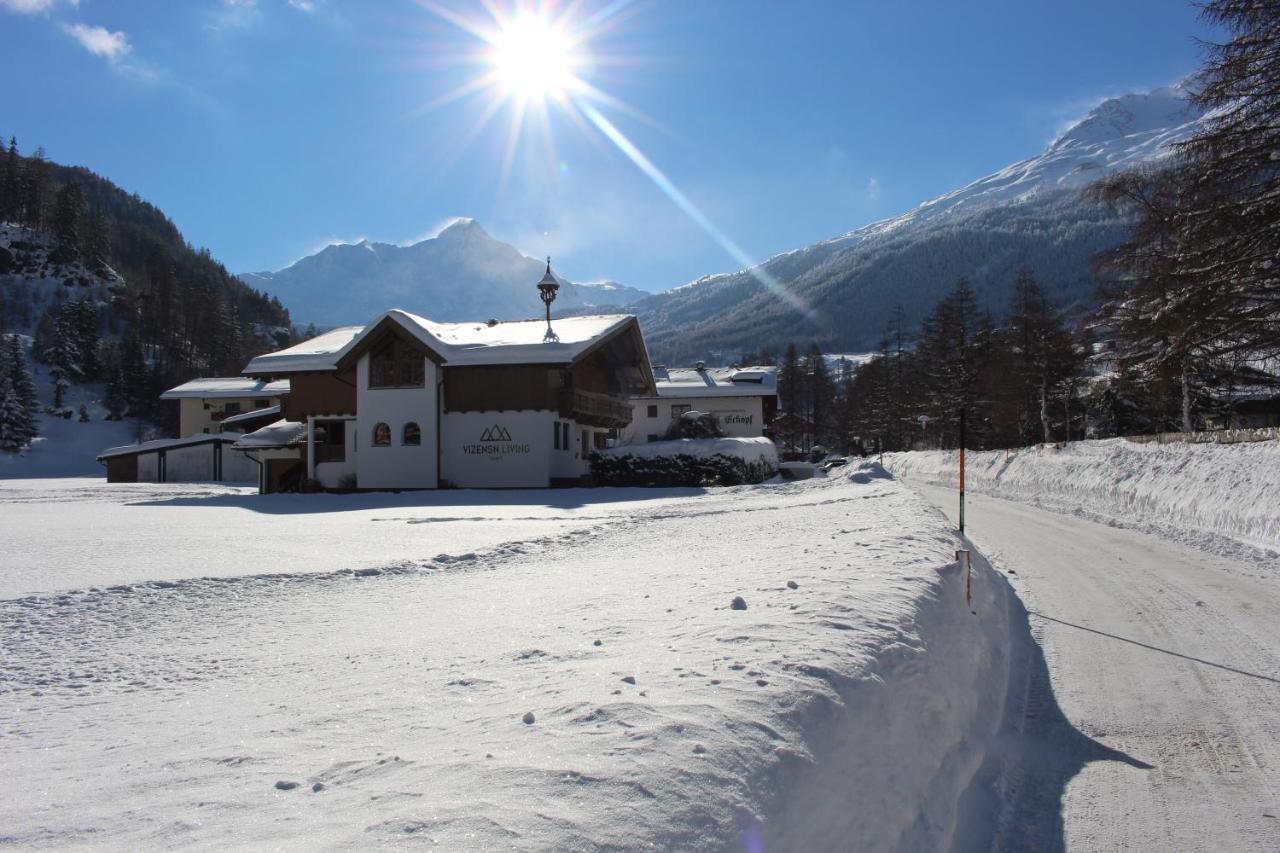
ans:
(547, 289)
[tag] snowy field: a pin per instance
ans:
(199, 667)
(1216, 497)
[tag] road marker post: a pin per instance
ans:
(962, 472)
(964, 560)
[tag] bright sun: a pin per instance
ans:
(532, 59)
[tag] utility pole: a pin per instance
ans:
(962, 471)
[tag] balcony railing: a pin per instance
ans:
(588, 407)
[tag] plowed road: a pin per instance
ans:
(1155, 725)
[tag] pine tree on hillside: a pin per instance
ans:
(68, 210)
(115, 399)
(63, 356)
(11, 184)
(35, 189)
(14, 434)
(95, 249)
(82, 323)
(22, 382)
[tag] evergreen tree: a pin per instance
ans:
(820, 394)
(951, 355)
(22, 383)
(96, 247)
(115, 399)
(1045, 360)
(13, 430)
(11, 184)
(82, 324)
(35, 188)
(68, 210)
(63, 355)
(791, 390)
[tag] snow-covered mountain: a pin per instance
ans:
(1028, 213)
(460, 274)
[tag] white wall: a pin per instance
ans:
(148, 467)
(499, 449)
(399, 466)
(567, 462)
(741, 417)
(237, 467)
(331, 474)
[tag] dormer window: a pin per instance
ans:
(397, 364)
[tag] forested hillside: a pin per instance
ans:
(109, 290)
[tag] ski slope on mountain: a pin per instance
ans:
(568, 670)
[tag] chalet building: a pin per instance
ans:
(744, 399)
(408, 403)
(203, 404)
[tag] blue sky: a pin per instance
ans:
(268, 128)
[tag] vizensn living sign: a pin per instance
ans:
(495, 442)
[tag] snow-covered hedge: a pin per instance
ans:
(687, 462)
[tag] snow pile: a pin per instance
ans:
(588, 685)
(1221, 498)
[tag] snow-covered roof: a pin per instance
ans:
(310, 355)
(504, 342)
(165, 444)
(716, 381)
(281, 433)
(224, 387)
(252, 415)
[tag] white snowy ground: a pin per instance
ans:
(169, 654)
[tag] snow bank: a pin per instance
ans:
(1222, 498)
(587, 686)
(753, 451)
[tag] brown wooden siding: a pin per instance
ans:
(594, 375)
(122, 469)
(319, 394)
(510, 388)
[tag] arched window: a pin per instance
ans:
(412, 434)
(381, 435)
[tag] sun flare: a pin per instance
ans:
(533, 59)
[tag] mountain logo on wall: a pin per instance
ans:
(495, 433)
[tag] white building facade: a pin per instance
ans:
(407, 403)
(743, 399)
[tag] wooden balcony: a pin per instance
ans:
(592, 409)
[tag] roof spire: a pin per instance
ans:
(547, 293)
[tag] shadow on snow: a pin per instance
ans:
(299, 504)
(1016, 803)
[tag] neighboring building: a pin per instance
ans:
(408, 403)
(180, 460)
(743, 398)
(204, 403)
